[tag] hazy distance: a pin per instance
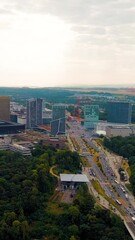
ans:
(67, 43)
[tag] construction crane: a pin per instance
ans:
(79, 110)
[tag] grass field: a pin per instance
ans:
(54, 208)
(85, 162)
(129, 187)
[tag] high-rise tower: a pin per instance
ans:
(39, 107)
(119, 112)
(34, 112)
(58, 120)
(91, 116)
(4, 108)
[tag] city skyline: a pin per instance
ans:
(67, 43)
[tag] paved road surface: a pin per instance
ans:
(109, 176)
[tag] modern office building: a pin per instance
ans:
(91, 116)
(34, 112)
(119, 112)
(47, 116)
(4, 108)
(58, 122)
(39, 106)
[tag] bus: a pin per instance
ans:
(116, 181)
(117, 201)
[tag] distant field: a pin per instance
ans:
(112, 91)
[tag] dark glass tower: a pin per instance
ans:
(119, 112)
(34, 112)
(58, 120)
(39, 111)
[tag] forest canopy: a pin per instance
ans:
(28, 211)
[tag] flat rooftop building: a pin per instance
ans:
(15, 148)
(10, 128)
(72, 180)
(123, 131)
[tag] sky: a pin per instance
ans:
(65, 43)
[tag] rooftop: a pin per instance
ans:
(74, 178)
(4, 123)
(122, 127)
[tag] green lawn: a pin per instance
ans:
(85, 162)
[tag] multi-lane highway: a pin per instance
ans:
(107, 177)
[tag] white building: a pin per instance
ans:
(72, 181)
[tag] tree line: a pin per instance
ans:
(124, 146)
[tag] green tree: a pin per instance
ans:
(74, 213)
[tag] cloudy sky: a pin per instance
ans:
(67, 42)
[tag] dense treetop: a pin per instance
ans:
(27, 208)
(124, 146)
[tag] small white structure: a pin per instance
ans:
(21, 119)
(101, 132)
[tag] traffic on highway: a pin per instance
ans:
(112, 186)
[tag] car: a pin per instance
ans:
(133, 220)
(90, 173)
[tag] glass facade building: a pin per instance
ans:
(34, 112)
(119, 112)
(91, 115)
(39, 106)
(58, 122)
